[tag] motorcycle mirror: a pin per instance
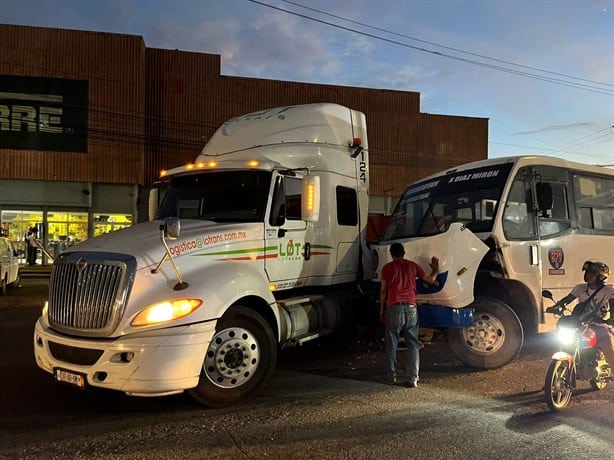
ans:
(547, 294)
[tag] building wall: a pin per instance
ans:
(148, 109)
(113, 66)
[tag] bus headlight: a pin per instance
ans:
(166, 311)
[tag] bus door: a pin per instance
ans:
(578, 227)
(560, 251)
(519, 222)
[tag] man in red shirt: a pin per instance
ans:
(398, 308)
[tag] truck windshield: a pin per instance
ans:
(470, 197)
(229, 196)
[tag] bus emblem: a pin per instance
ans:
(556, 257)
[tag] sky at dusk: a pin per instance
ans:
(541, 71)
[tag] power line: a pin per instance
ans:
(446, 47)
(586, 87)
(543, 149)
(587, 138)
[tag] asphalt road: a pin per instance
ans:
(326, 400)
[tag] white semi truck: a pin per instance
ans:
(256, 246)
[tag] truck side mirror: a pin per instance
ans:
(310, 199)
(171, 227)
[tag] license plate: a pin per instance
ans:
(72, 378)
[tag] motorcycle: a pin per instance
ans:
(579, 358)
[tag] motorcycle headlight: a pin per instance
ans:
(566, 335)
(166, 311)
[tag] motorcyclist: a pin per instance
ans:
(595, 303)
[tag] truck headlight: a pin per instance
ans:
(166, 311)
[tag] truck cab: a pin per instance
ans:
(253, 247)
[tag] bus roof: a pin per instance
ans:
(520, 161)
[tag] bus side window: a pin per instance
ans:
(517, 223)
(594, 203)
(555, 220)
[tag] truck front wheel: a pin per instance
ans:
(494, 339)
(239, 360)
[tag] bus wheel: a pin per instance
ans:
(239, 360)
(494, 339)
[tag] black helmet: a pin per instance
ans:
(602, 270)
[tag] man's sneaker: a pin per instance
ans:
(412, 384)
(391, 380)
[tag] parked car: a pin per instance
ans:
(9, 264)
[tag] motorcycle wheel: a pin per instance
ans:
(601, 382)
(558, 385)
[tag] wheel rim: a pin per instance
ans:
(486, 335)
(560, 387)
(232, 358)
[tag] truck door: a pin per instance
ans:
(285, 252)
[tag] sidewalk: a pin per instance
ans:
(35, 271)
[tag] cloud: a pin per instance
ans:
(545, 129)
(266, 45)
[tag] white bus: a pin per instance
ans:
(540, 219)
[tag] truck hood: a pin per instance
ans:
(143, 240)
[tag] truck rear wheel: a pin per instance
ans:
(239, 360)
(494, 339)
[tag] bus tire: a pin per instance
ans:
(239, 360)
(495, 338)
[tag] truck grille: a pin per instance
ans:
(88, 292)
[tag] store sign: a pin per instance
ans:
(43, 114)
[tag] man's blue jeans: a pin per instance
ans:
(402, 320)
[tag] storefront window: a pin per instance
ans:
(16, 224)
(65, 228)
(57, 229)
(107, 223)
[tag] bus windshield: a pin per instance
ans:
(469, 196)
(228, 196)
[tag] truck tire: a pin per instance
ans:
(493, 341)
(239, 360)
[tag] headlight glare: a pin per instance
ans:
(166, 311)
(566, 335)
